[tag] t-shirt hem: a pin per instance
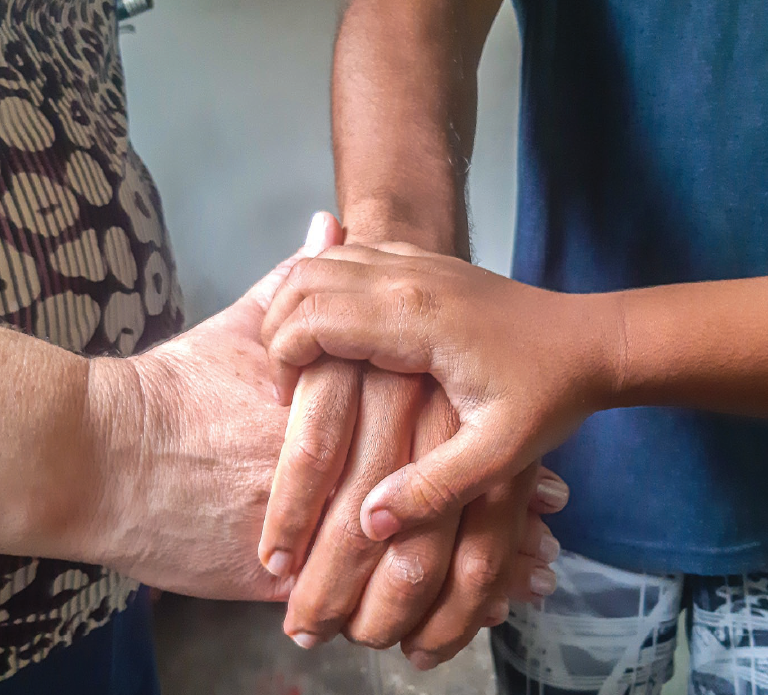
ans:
(655, 558)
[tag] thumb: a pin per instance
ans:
(439, 484)
(324, 231)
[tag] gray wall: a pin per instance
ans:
(229, 107)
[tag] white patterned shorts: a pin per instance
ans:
(606, 631)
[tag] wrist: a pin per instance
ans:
(113, 433)
(392, 219)
(601, 349)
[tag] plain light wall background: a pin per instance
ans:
(229, 106)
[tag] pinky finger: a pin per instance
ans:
(551, 494)
(531, 580)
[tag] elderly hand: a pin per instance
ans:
(190, 434)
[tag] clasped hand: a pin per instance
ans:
(453, 558)
(185, 441)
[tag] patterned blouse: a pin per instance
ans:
(85, 261)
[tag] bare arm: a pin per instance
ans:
(148, 464)
(43, 401)
(522, 366)
(404, 113)
(699, 345)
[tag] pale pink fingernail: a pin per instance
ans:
(423, 661)
(304, 640)
(280, 563)
(553, 493)
(549, 548)
(384, 524)
(543, 582)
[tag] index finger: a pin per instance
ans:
(319, 432)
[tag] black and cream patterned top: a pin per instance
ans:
(84, 260)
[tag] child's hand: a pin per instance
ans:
(523, 367)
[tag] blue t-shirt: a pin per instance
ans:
(644, 161)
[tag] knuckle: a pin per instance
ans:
(308, 310)
(311, 612)
(352, 539)
(367, 636)
(297, 274)
(413, 300)
(407, 576)
(313, 453)
(326, 623)
(413, 311)
(482, 571)
(438, 651)
(444, 644)
(409, 588)
(432, 495)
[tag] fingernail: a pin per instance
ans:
(384, 524)
(543, 582)
(553, 493)
(549, 548)
(315, 235)
(280, 563)
(499, 613)
(304, 640)
(423, 661)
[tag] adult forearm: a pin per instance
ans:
(404, 111)
(46, 457)
(699, 345)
